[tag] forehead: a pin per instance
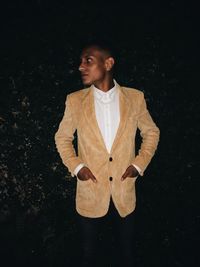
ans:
(93, 51)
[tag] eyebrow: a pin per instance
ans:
(86, 55)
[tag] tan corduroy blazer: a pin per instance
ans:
(92, 199)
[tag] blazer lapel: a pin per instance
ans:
(124, 106)
(89, 110)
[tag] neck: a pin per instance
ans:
(105, 85)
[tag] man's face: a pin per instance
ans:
(93, 66)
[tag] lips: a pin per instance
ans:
(85, 78)
(84, 75)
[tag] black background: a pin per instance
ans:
(39, 50)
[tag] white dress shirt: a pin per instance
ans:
(107, 115)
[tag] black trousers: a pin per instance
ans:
(108, 240)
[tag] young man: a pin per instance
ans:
(106, 117)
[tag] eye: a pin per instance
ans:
(89, 60)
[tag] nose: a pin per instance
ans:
(81, 67)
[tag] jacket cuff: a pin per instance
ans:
(138, 169)
(77, 169)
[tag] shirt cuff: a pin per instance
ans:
(138, 169)
(80, 166)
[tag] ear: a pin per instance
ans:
(109, 63)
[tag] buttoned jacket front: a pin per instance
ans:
(92, 199)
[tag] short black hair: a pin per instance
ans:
(101, 44)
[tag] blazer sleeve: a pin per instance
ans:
(150, 136)
(64, 137)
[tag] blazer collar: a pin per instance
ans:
(89, 110)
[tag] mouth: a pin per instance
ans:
(83, 75)
(84, 78)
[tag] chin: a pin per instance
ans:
(86, 83)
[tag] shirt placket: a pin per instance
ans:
(106, 125)
(109, 126)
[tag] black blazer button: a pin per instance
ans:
(110, 178)
(110, 158)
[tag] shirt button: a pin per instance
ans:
(110, 159)
(110, 178)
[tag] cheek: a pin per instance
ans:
(97, 72)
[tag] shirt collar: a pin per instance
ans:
(105, 97)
